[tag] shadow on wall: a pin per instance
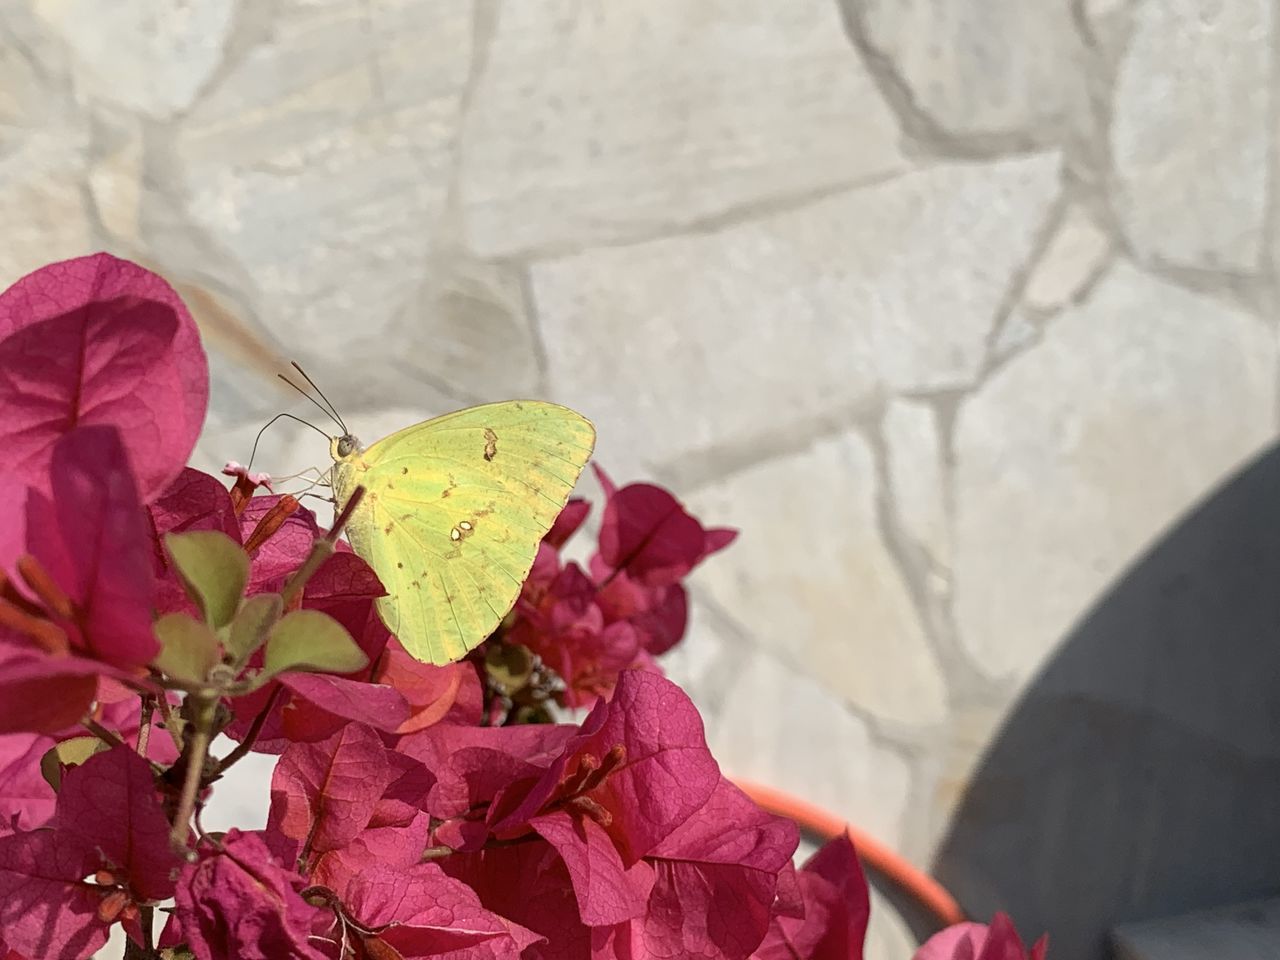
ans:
(1139, 776)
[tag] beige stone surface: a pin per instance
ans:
(916, 477)
(598, 123)
(1190, 135)
(313, 179)
(979, 70)
(755, 329)
(1054, 499)
(850, 774)
(817, 587)
(44, 140)
(156, 58)
(1075, 255)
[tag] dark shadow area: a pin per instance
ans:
(1139, 776)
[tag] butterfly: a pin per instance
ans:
(453, 511)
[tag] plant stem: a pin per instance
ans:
(170, 726)
(144, 724)
(195, 753)
(255, 728)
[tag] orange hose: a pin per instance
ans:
(921, 887)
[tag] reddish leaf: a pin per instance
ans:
(646, 532)
(568, 522)
(606, 483)
(608, 890)
(451, 692)
(99, 340)
(46, 907)
(978, 941)
(345, 587)
(193, 501)
(849, 906)
(474, 764)
(409, 785)
(715, 887)
(109, 805)
(314, 706)
(41, 693)
(528, 884)
(379, 706)
(325, 793)
(108, 822)
(832, 921)
(13, 519)
(93, 540)
(664, 775)
(422, 912)
(398, 848)
(238, 903)
(26, 799)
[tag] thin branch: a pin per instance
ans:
(169, 717)
(195, 754)
(144, 724)
(255, 728)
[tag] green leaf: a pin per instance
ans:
(68, 753)
(188, 648)
(252, 624)
(314, 641)
(214, 569)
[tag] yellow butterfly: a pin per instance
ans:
(453, 512)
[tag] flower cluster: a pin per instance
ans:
(625, 609)
(146, 608)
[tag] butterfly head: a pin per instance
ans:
(344, 446)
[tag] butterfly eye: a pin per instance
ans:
(346, 445)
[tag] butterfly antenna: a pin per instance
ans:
(254, 452)
(325, 410)
(332, 409)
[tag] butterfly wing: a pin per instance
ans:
(453, 513)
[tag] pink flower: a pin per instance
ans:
(632, 606)
(80, 606)
(110, 825)
(239, 903)
(978, 941)
(619, 838)
(99, 341)
(831, 922)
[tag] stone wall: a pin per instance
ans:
(954, 307)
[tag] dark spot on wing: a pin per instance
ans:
(490, 444)
(404, 470)
(388, 528)
(399, 565)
